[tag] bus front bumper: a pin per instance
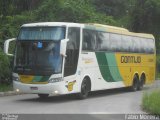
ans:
(50, 88)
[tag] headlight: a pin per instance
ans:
(53, 80)
(15, 78)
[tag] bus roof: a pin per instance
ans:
(106, 28)
(120, 30)
(51, 24)
(110, 27)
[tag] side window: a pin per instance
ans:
(127, 45)
(72, 51)
(138, 45)
(89, 40)
(103, 41)
(115, 42)
(147, 45)
(150, 45)
(134, 44)
(143, 45)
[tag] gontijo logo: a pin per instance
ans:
(130, 59)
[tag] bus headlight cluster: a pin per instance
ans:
(53, 80)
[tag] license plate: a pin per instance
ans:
(34, 88)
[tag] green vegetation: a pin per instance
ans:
(151, 102)
(5, 87)
(158, 66)
(136, 15)
(5, 70)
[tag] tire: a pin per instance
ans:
(85, 88)
(141, 83)
(135, 84)
(43, 96)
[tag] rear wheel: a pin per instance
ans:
(43, 96)
(141, 82)
(135, 83)
(85, 88)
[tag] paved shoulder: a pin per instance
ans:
(9, 93)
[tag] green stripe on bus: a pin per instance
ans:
(44, 79)
(40, 79)
(111, 59)
(103, 65)
(108, 67)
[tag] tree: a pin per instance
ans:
(115, 8)
(70, 11)
(145, 18)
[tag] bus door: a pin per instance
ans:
(72, 54)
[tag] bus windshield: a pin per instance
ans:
(38, 50)
(38, 57)
(42, 33)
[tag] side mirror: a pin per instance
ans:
(63, 47)
(6, 46)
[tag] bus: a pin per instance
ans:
(57, 58)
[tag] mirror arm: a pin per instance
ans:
(6, 46)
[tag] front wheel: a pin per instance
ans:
(85, 88)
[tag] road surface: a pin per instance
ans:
(117, 101)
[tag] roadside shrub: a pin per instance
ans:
(5, 71)
(151, 102)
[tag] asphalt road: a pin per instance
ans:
(117, 101)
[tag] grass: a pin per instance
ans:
(5, 87)
(151, 102)
(157, 75)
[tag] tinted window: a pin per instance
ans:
(127, 44)
(89, 40)
(42, 33)
(103, 41)
(115, 42)
(72, 51)
(144, 45)
(134, 44)
(138, 44)
(150, 45)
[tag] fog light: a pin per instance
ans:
(17, 90)
(56, 92)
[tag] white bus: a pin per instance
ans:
(55, 58)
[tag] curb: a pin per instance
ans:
(9, 93)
